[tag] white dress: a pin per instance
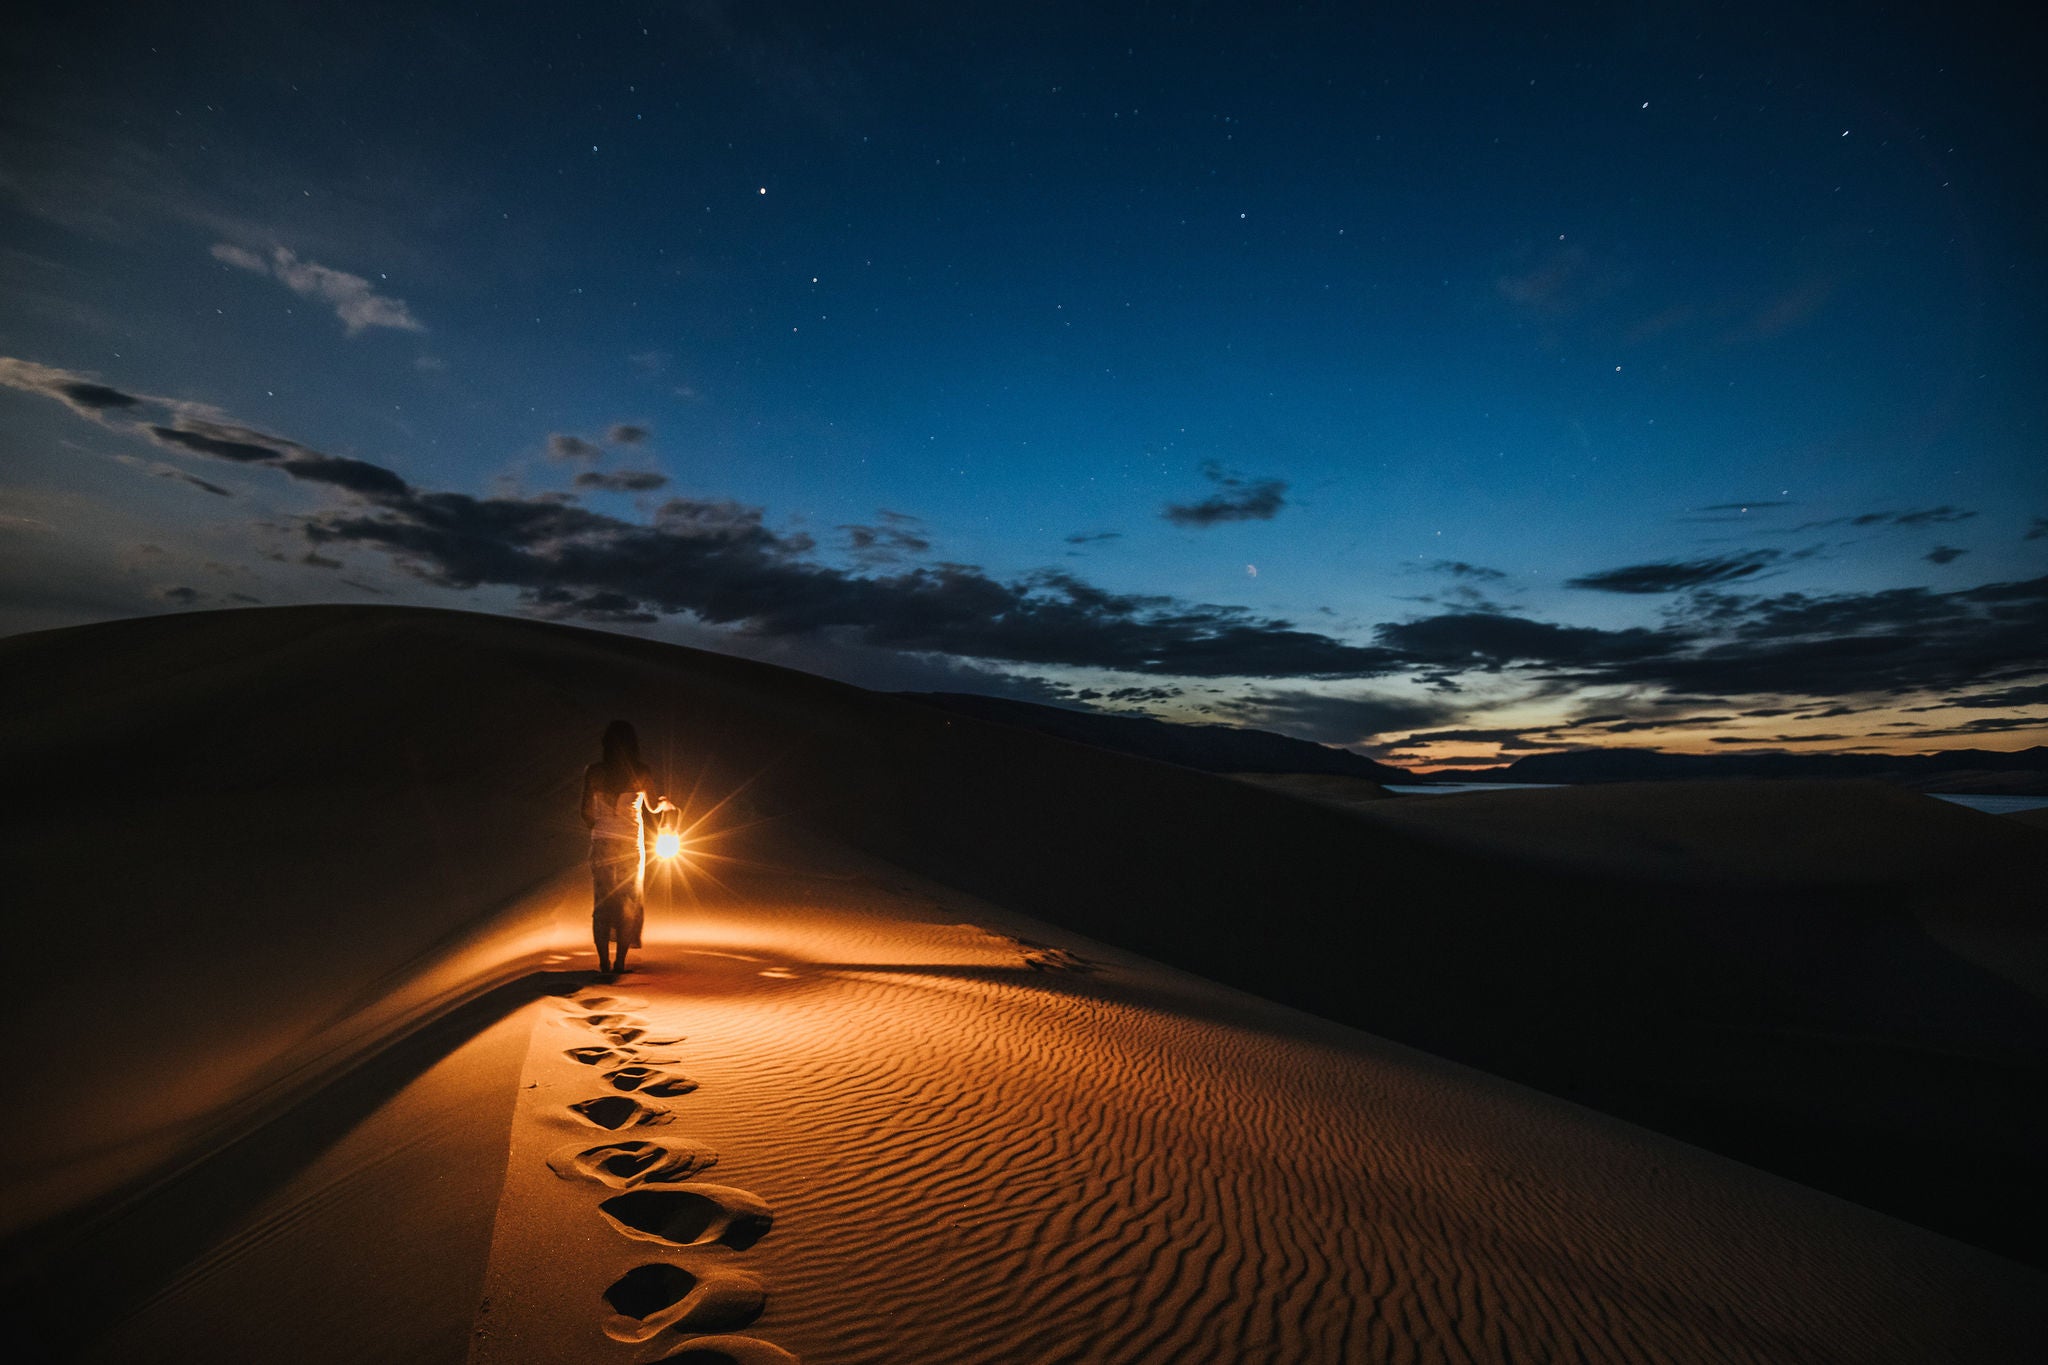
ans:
(618, 821)
(618, 864)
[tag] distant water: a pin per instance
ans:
(1447, 788)
(1993, 805)
(1990, 805)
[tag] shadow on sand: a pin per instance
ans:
(96, 1264)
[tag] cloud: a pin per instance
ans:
(1929, 517)
(1506, 739)
(1464, 594)
(889, 543)
(1102, 537)
(622, 481)
(717, 566)
(606, 608)
(2038, 530)
(1132, 696)
(97, 397)
(240, 257)
(1458, 568)
(1925, 516)
(83, 395)
(1983, 725)
(1241, 499)
(1487, 641)
(164, 471)
(1626, 727)
(1463, 597)
(1829, 646)
(1671, 576)
(358, 305)
(2004, 699)
(717, 561)
(159, 470)
(1944, 554)
(248, 446)
(1332, 720)
(221, 447)
(720, 564)
(562, 446)
(627, 434)
(356, 476)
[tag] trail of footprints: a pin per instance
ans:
(704, 1299)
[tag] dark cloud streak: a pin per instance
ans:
(622, 480)
(1672, 576)
(1241, 499)
(718, 562)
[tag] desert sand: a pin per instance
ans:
(958, 1043)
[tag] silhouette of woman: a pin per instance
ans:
(615, 800)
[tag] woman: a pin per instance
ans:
(614, 798)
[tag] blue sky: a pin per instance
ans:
(1508, 369)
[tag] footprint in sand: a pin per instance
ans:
(620, 1028)
(621, 1111)
(698, 1215)
(606, 1003)
(649, 1081)
(631, 1162)
(649, 1299)
(724, 1350)
(1043, 957)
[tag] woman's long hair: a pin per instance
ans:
(622, 752)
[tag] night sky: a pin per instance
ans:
(1444, 382)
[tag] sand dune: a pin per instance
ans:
(917, 1076)
(906, 1141)
(2032, 819)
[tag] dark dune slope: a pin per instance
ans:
(1210, 748)
(419, 768)
(1798, 1019)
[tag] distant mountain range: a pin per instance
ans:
(1227, 749)
(2019, 772)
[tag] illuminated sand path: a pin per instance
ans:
(900, 1125)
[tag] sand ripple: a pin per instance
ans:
(983, 1162)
